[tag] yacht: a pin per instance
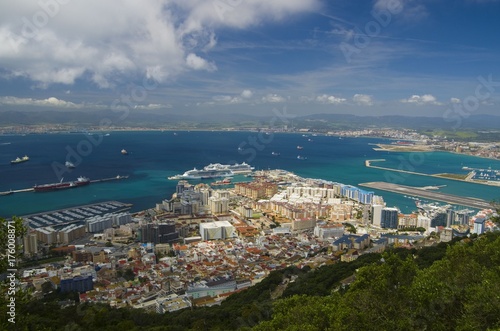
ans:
(69, 165)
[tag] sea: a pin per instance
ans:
(153, 156)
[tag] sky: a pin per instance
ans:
(436, 58)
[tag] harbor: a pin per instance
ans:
(425, 193)
(477, 176)
(32, 189)
(77, 214)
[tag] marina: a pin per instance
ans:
(424, 193)
(478, 176)
(72, 215)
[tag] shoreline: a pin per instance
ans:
(381, 148)
(438, 175)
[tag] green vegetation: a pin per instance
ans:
(460, 135)
(349, 227)
(464, 135)
(458, 292)
(452, 176)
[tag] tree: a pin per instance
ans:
(379, 293)
(11, 233)
(496, 205)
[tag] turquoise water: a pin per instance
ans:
(153, 156)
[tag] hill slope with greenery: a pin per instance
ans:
(458, 292)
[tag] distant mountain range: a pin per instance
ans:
(137, 118)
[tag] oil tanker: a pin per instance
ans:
(80, 181)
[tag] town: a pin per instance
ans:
(205, 244)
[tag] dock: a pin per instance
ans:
(424, 193)
(31, 189)
(74, 215)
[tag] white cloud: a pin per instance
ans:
(239, 14)
(426, 99)
(363, 99)
(105, 42)
(197, 63)
(329, 99)
(49, 102)
(273, 98)
(247, 94)
(153, 106)
(455, 100)
(407, 9)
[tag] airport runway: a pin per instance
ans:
(422, 193)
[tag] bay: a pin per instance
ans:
(155, 155)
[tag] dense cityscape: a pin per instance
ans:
(189, 165)
(206, 243)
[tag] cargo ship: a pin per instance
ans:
(20, 160)
(80, 181)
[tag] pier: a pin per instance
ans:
(423, 193)
(108, 179)
(468, 179)
(31, 189)
(369, 165)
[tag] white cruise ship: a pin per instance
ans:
(215, 170)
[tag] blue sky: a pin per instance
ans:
(406, 57)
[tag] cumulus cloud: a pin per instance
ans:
(60, 42)
(363, 99)
(49, 102)
(197, 63)
(426, 99)
(247, 94)
(455, 100)
(273, 98)
(330, 99)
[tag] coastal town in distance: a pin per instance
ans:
(210, 240)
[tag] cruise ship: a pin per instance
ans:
(215, 170)
(81, 181)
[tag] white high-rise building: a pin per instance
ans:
(218, 205)
(377, 215)
(217, 230)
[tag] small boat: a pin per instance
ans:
(299, 157)
(124, 151)
(300, 147)
(20, 160)
(275, 154)
(69, 165)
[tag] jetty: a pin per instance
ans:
(108, 179)
(31, 189)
